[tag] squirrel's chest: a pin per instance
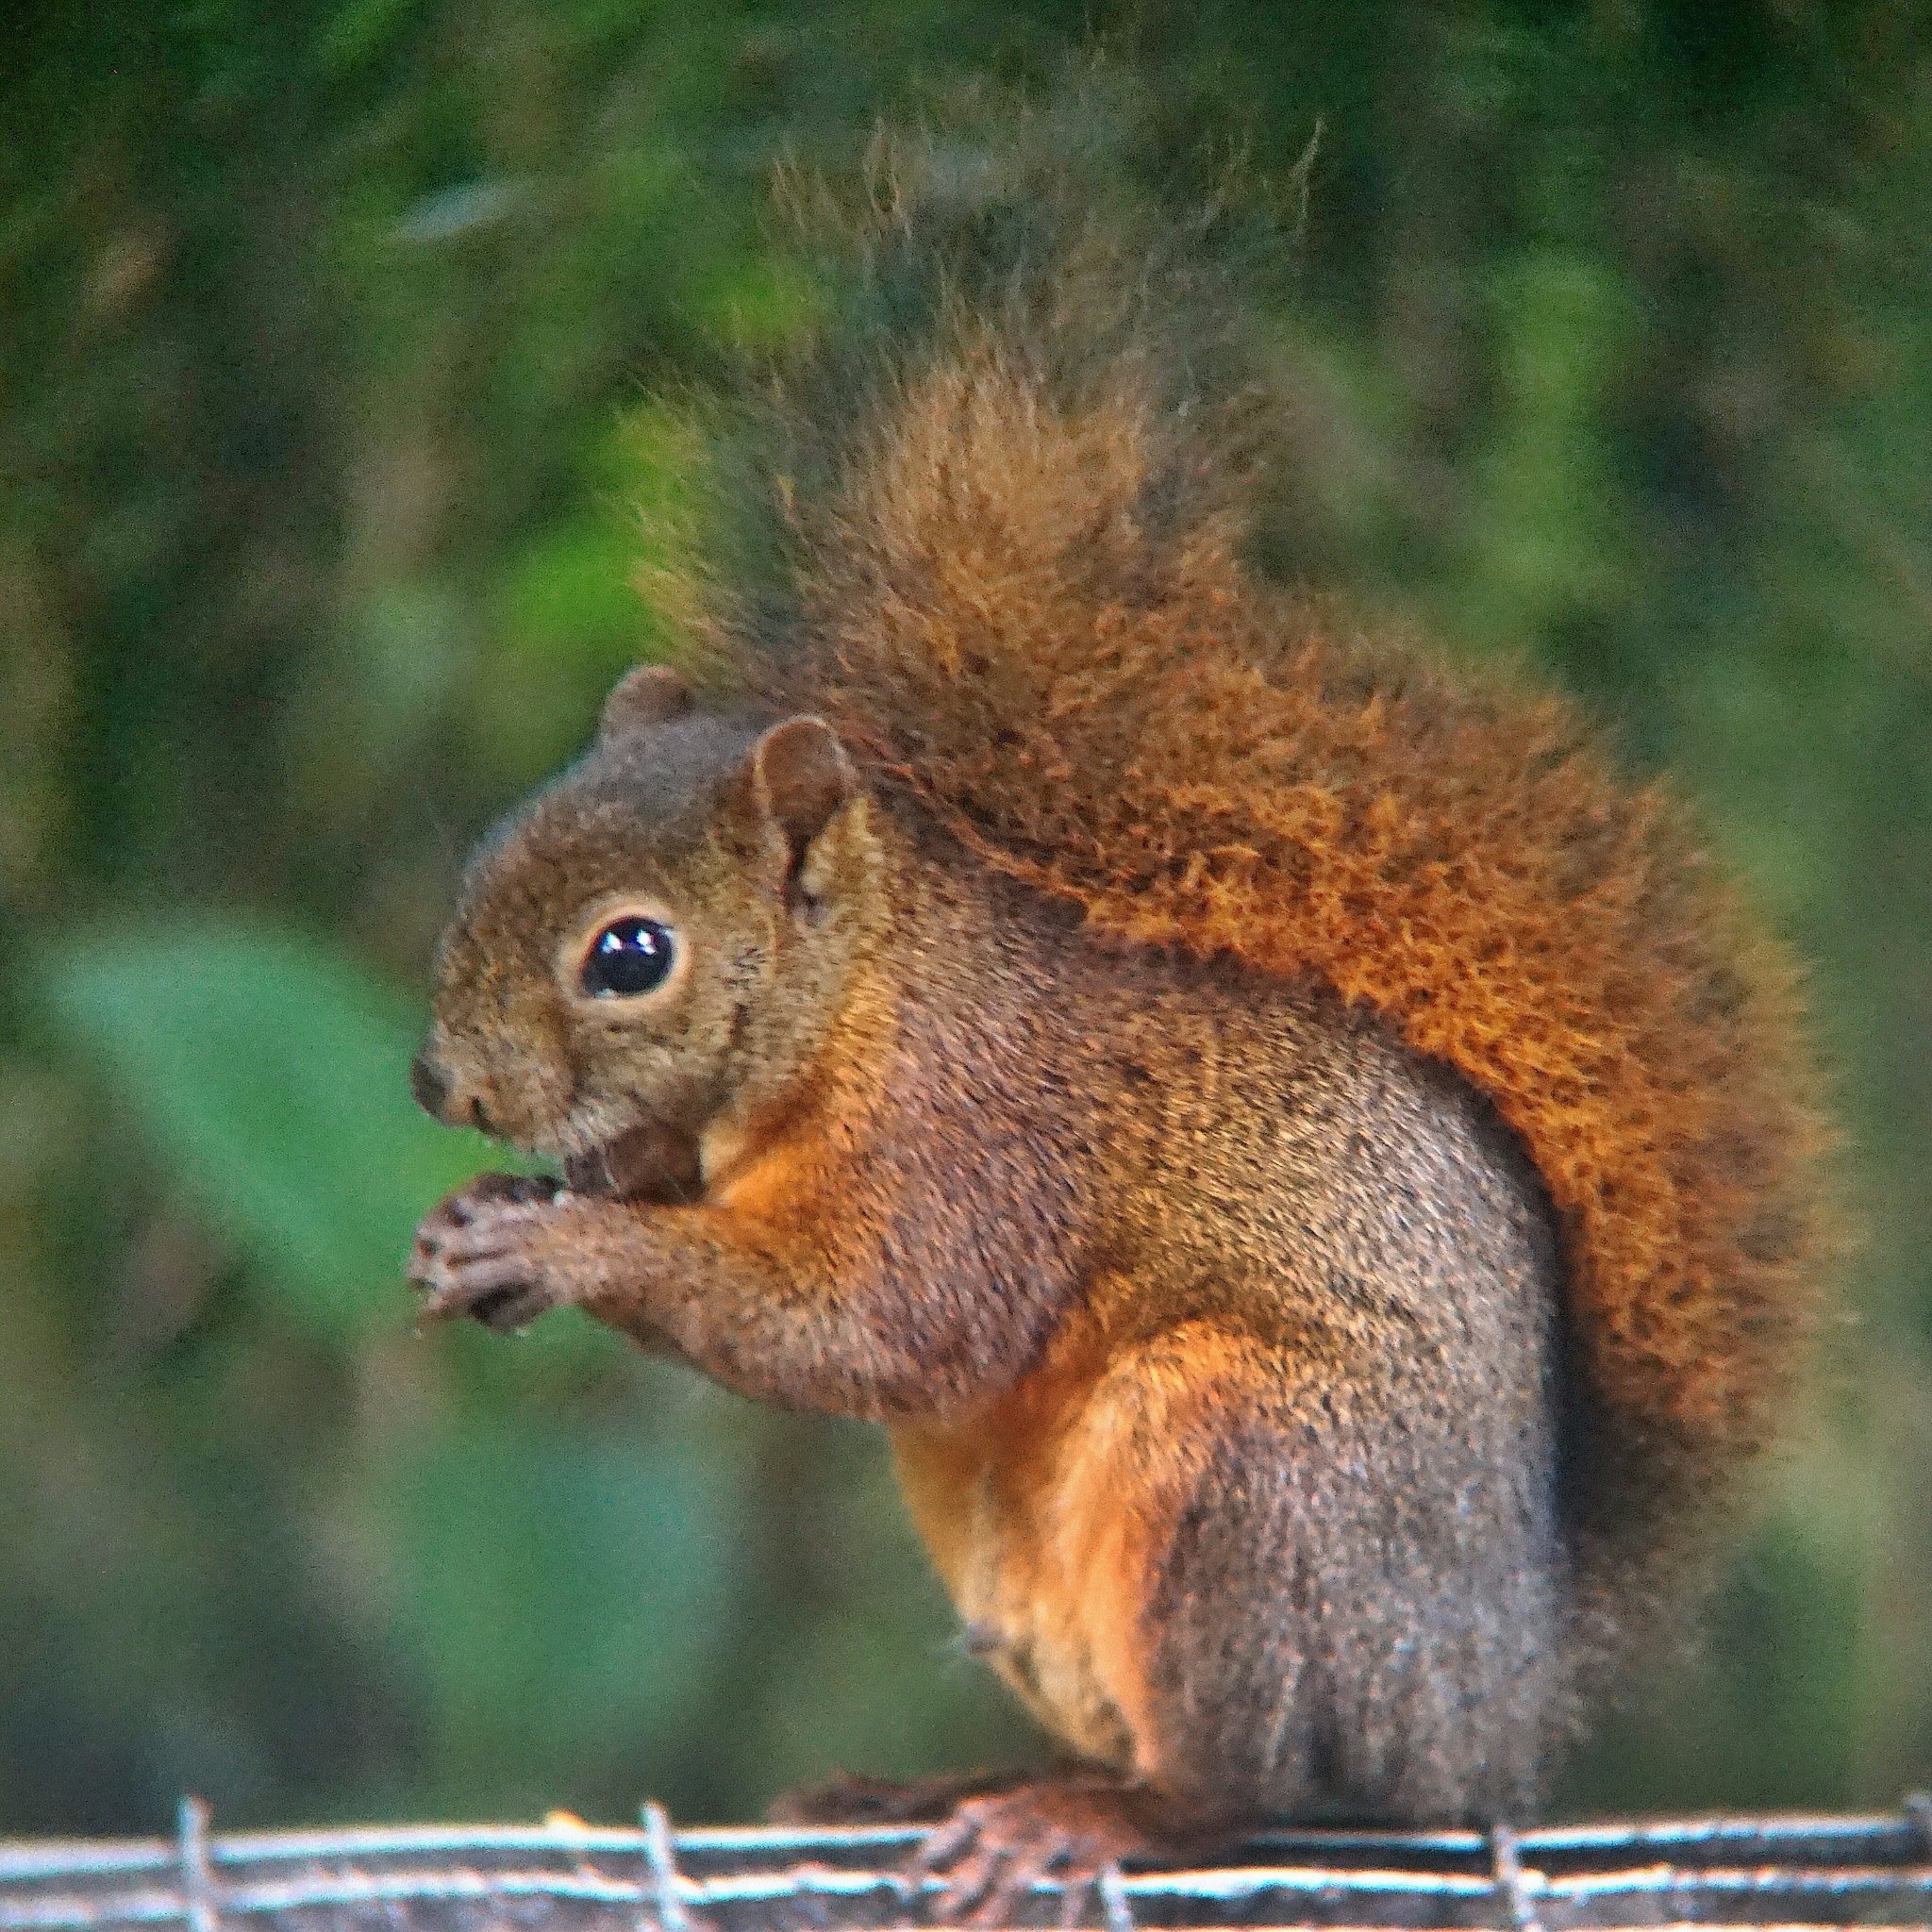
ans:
(1035, 1539)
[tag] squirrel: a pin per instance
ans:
(1315, 1173)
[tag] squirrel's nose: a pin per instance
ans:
(429, 1083)
(441, 1095)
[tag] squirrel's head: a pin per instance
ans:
(663, 933)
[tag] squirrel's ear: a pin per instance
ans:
(647, 696)
(799, 777)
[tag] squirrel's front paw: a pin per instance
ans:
(481, 1252)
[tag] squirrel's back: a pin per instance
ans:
(1000, 547)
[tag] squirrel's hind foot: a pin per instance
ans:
(1068, 1831)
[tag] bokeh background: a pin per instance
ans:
(340, 349)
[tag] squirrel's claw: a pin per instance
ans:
(993, 1850)
(472, 1253)
(491, 1190)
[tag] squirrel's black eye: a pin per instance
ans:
(629, 957)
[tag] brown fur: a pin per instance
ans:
(1311, 1167)
(1212, 1326)
(1117, 714)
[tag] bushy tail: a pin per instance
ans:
(1004, 525)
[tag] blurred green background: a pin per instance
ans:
(338, 339)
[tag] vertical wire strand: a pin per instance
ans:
(1512, 1883)
(661, 1861)
(1917, 1808)
(1116, 1915)
(197, 1868)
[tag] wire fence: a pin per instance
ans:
(567, 1876)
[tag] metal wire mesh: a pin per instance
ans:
(565, 1877)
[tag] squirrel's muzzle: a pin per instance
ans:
(443, 1097)
(429, 1084)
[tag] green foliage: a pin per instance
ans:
(569, 600)
(1543, 546)
(582, 1576)
(351, 418)
(273, 1076)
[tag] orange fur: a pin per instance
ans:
(775, 1185)
(1033, 617)
(1047, 1511)
(998, 1500)
(939, 1470)
(1129, 1460)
